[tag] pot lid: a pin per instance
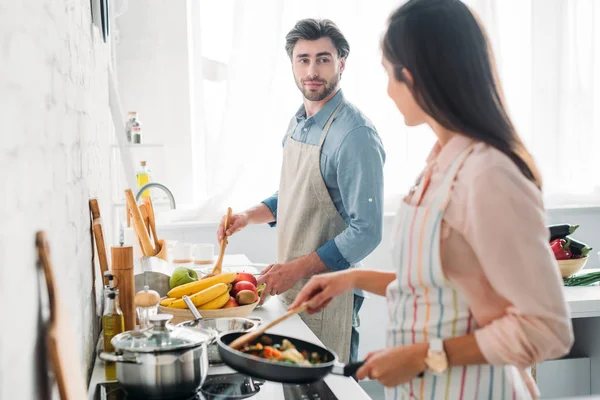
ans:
(161, 337)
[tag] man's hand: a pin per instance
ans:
(279, 278)
(260, 214)
(236, 224)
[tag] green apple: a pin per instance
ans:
(181, 276)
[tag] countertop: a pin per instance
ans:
(584, 301)
(342, 387)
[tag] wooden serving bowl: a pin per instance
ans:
(571, 267)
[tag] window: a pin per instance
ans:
(547, 52)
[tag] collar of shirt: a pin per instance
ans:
(323, 115)
(441, 157)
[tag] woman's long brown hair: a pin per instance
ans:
(455, 81)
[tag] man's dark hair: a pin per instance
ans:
(314, 29)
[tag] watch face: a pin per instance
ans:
(437, 362)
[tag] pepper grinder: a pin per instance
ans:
(122, 268)
(146, 304)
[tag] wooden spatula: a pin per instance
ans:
(138, 224)
(64, 355)
(151, 220)
(252, 335)
(99, 239)
(218, 268)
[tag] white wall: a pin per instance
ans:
(258, 243)
(54, 147)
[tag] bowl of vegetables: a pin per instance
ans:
(569, 268)
(571, 254)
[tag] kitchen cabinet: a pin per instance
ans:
(577, 373)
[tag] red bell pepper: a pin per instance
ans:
(560, 248)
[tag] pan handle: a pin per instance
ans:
(258, 320)
(348, 369)
(114, 357)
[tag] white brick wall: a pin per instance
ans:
(55, 131)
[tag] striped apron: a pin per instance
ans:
(422, 305)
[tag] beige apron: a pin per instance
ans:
(306, 220)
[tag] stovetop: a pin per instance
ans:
(234, 386)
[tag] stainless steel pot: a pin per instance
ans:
(162, 362)
(217, 325)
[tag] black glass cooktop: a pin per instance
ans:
(232, 386)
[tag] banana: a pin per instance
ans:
(194, 287)
(167, 302)
(202, 297)
(216, 303)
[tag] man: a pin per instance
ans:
(329, 207)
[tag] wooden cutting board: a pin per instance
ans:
(63, 354)
(99, 239)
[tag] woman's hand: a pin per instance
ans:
(321, 289)
(394, 366)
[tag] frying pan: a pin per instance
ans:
(281, 372)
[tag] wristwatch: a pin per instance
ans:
(436, 360)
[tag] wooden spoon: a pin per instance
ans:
(151, 220)
(146, 219)
(139, 225)
(218, 268)
(252, 335)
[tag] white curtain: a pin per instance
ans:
(547, 51)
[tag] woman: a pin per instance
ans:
(476, 297)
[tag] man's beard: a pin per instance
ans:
(328, 88)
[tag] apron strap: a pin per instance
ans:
(445, 190)
(328, 124)
(290, 132)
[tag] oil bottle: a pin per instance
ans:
(143, 177)
(112, 324)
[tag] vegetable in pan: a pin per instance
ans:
(284, 352)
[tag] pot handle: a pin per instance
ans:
(116, 357)
(348, 369)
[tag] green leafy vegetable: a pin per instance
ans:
(582, 279)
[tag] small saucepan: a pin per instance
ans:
(282, 372)
(217, 325)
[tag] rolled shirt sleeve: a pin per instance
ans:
(271, 203)
(360, 160)
(509, 237)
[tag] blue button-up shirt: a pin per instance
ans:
(352, 159)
